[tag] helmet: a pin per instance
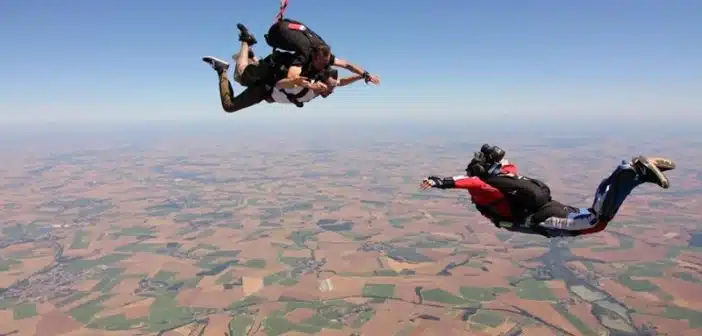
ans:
(476, 167)
(493, 154)
(484, 160)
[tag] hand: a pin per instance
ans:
(327, 92)
(374, 79)
(317, 87)
(429, 182)
(300, 81)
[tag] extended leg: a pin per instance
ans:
(252, 95)
(557, 219)
(245, 53)
(252, 60)
(230, 103)
(613, 190)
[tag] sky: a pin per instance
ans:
(530, 61)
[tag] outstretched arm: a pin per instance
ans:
(342, 63)
(455, 182)
(349, 80)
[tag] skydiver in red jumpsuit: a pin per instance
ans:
(518, 203)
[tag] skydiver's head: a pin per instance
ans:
(487, 161)
(331, 78)
(477, 166)
(493, 154)
(321, 54)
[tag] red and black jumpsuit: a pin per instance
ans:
(493, 204)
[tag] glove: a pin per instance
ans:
(434, 182)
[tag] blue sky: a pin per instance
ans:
(531, 60)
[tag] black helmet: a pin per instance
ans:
(476, 167)
(493, 154)
(483, 160)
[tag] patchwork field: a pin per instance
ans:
(294, 235)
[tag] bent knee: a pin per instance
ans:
(247, 76)
(237, 78)
(230, 108)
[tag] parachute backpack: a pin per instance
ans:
(524, 195)
(290, 35)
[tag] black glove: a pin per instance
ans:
(437, 182)
(434, 181)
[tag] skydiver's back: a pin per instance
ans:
(293, 36)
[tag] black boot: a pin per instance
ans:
(245, 35)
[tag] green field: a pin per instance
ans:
(488, 318)
(442, 296)
(255, 263)
(111, 278)
(687, 277)
(24, 310)
(80, 240)
(624, 244)
(481, 294)
(224, 278)
(637, 285)
(85, 312)
(135, 231)
(281, 278)
(532, 289)
(239, 325)
(6, 264)
(694, 318)
(165, 313)
(116, 322)
(379, 291)
(84, 264)
(72, 298)
(651, 269)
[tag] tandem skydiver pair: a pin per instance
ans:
(299, 69)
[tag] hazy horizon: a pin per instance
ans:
(541, 60)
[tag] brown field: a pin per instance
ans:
(583, 311)
(664, 325)
(56, 323)
(541, 309)
(688, 295)
(640, 253)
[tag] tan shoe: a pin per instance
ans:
(649, 169)
(663, 164)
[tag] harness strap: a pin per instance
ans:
(281, 12)
(294, 97)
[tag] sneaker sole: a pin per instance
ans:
(204, 59)
(663, 164)
(243, 30)
(649, 164)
